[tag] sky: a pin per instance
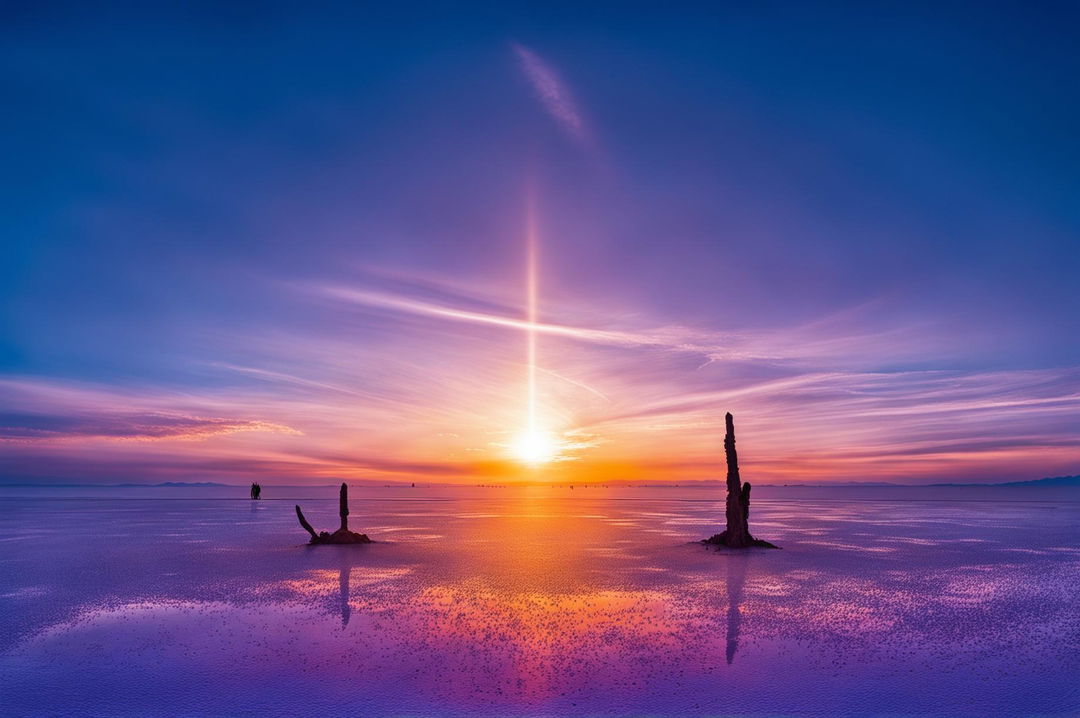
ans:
(291, 243)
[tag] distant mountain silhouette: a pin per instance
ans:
(183, 484)
(1053, 481)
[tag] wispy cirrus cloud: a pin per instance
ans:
(124, 426)
(44, 411)
(640, 421)
(821, 341)
(552, 92)
(435, 388)
(825, 400)
(901, 425)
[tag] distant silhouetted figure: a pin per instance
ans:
(256, 491)
(737, 511)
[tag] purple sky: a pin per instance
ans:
(290, 246)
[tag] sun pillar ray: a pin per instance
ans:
(535, 445)
(532, 290)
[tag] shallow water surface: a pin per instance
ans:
(537, 601)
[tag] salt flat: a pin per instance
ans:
(538, 601)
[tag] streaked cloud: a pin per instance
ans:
(820, 341)
(137, 427)
(439, 396)
(552, 92)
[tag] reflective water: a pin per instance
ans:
(539, 601)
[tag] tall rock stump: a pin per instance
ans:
(343, 534)
(737, 509)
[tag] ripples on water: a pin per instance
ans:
(539, 602)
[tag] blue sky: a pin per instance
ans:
(279, 225)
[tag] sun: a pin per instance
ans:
(534, 447)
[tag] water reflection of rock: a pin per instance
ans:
(736, 577)
(344, 577)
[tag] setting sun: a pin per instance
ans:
(535, 447)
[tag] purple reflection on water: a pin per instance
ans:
(536, 601)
